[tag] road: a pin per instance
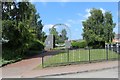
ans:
(108, 73)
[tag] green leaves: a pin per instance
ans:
(59, 38)
(79, 44)
(20, 25)
(98, 27)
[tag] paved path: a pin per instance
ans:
(18, 68)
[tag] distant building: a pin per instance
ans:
(117, 38)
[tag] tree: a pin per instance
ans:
(43, 36)
(108, 27)
(39, 30)
(59, 38)
(98, 28)
(21, 26)
(63, 36)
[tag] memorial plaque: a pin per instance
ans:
(49, 42)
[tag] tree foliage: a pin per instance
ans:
(98, 28)
(54, 32)
(21, 26)
(63, 36)
(59, 38)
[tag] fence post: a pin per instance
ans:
(42, 60)
(118, 51)
(67, 54)
(107, 45)
(89, 55)
(117, 46)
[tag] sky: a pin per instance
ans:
(72, 14)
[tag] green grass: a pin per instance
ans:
(79, 55)
(58, 48)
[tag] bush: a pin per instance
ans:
(83, 44)
(74, 44)
(97, 44)
(10, 53)
(79, 44)
(37, 45)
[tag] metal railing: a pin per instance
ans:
(73, 56)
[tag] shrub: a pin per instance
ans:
(74, 44)
(37, 45)
(97, 44)
(79, 44)
(83, 44)
(10, 53)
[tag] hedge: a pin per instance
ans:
(79, 44)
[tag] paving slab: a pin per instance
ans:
(69, 69)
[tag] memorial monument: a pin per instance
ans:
(50, 40)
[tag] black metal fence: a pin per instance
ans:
(73, 56)
(115, 47)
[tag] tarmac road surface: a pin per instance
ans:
(107, 73)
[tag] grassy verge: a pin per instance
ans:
(79, 55)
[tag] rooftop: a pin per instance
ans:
(117, 36)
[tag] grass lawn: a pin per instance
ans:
(79, 55)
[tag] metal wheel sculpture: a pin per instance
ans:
(68, 32)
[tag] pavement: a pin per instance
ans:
(105, 73)
(27, 68)
(70, 69)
